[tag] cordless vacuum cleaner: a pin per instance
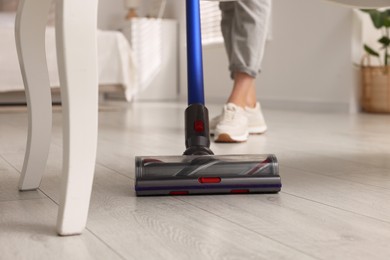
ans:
(199, 171)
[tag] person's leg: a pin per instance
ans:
(227, 16)
(244, 27)
(248, 38)
(251, 99)
(244, 91)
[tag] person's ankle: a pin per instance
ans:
(238, 103)
(251, 104)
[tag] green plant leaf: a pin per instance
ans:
(377, 17)
(385, 41)
(370, 51)
(366, 10)
(387, 57)
(386, 22)
(386, 18)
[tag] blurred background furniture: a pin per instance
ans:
(117, 68)
(155, 45)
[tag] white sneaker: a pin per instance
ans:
(213, 123)
(256, 122)
(233, 125)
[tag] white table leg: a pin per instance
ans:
(76, 28)
(30, 28)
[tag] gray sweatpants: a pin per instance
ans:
(244, 27)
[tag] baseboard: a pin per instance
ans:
(306, 105)
(19, 97)
(298, 105)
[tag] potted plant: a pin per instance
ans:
(376, 79)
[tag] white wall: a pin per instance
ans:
(308, 63)
(111, 14)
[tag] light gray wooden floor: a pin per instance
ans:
(335, 202)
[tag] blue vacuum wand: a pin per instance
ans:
(194, 54)
(196, 115)
(199, 171)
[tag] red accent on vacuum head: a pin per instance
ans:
(147, 161)
(239, 191)
(209, 180)
(199, 126)
(179, 192)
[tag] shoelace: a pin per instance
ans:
(229, 114)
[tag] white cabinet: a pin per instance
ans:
(155, 46)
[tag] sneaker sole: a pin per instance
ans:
(252, 130)
(257, 130)
(226, 138)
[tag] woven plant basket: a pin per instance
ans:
(375, 96)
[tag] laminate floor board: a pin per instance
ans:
(322, 231)
(167, 228)
(114, 199)
(368, 157)
(292, 178)
(347, 148)
(134, 132)
(9, 179)
(13, 132)
(27, 231)
(334, 202)
(354, 197)
(364, 192)
(358, 128)
(118, 153)
(163, 227)
(164, 135)
(327, 142)
(366, 168)
(337, 167)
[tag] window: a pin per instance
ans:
(211, 22)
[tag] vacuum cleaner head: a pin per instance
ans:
(207, 174)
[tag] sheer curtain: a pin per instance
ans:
(211, 20)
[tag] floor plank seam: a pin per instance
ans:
(118, 172)
(250, 230)
(105, 243)
(356, 162)
(15, 200)
(342, 159)
(334, 177)
(40, 189)
(334, 207)
(10, 164)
